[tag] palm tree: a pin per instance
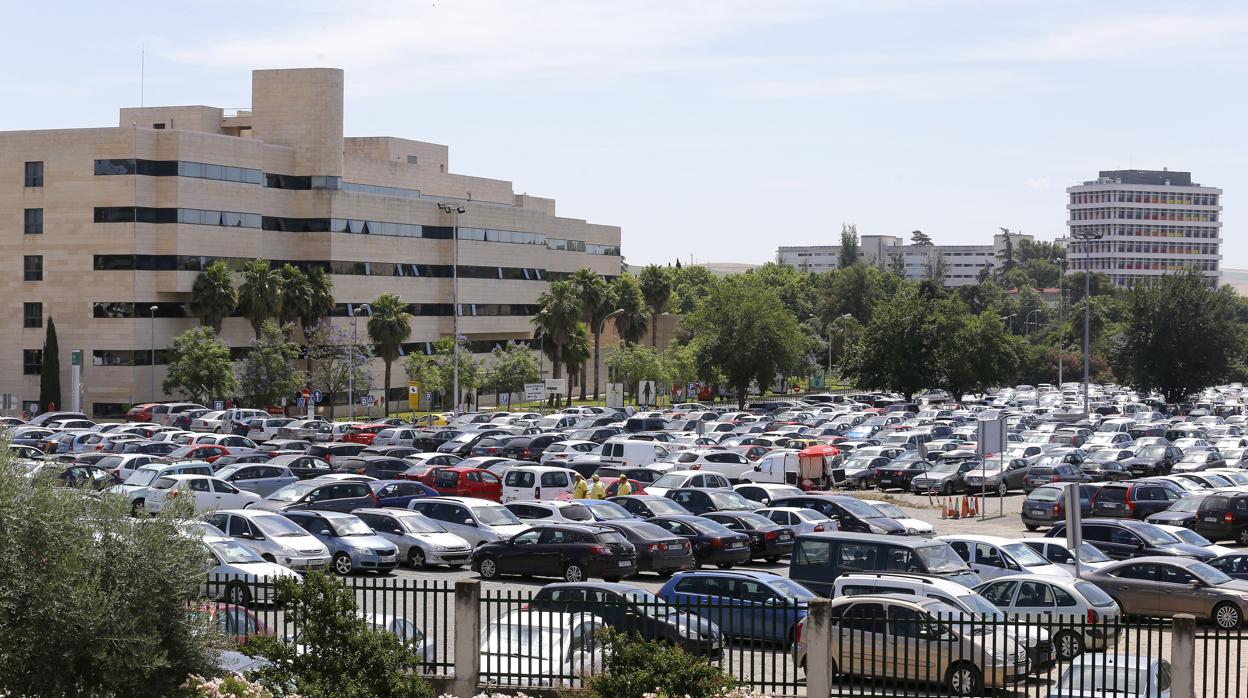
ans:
(388, 327)
(296, 296)
(213, 297)
(598, 301)
(320, 299)
(656, 285)
(576, 354)
(634, 316)
(260, 296)
(559, 309)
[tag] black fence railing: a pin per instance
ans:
(1221, 663)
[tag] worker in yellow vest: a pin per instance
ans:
(580, 490)
(623, 488)
(599, 489)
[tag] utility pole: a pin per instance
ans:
(454, 210)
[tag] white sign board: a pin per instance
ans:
(534, 391)
(645, 393)
(991, 438)
(615, 395)
(556, 386)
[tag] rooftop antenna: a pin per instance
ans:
(142, 73)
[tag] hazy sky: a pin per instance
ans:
(718, 129)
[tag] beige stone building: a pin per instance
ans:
(103, 224)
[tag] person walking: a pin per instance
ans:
(599, 489)
(624, 488)
(580, 490)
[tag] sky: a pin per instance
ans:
(713, 130)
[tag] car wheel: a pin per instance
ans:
(1030, 527)
(773, 559)
(1002, 489)
(1243, 536)
(964, 679)
(237, 594)
(488, 568)
(573, 573)
(946, 490)
(1227, 616)
(725, 565)
(342, 564)
(416, 558)
(1068, 644)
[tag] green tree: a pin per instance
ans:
(1180, 336)
(744, 331)
(689, 285)
(641, 669)
(631, 363)
(918, 237)
(50, 371)
(1100, 284)
(656, 286)
(897, 265)
(337, 362)
(634, 315)
(296, 296)
(320, 298)
(797, 289)
(849, 246)
(389, 327)
(559, 309)
(260, 295)
(339, 654)
(268, 374)
(437, 370)
(91, 602)
(854, 290)
(937, 269)
(576, 353)
(1007, 258)
(199, 366)
(680, 364)
(895, 351)
(974, 352)
(512, 365)
(598, 302)
(213, 296)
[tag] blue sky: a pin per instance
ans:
(716, 129)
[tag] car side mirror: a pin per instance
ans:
(1195, 584)
(323, 532)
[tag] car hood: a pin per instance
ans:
(507, 531)
(936, 477)
(916, 525)
(1139, 460)
(446, 539)
(1188, 550)
(268, 571)
(372, 542)
(127, 489)
(1050, 570)
(300, 545)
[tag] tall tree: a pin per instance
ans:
(634, 315)
(1180, 336)
(320, 298)
(260, 295)
(632, 363)
(1007, 254)
(597, 302)
(268, 374)
(213, 297)
(656, 286)
(849, 246)
(199, 367)
(50, 371)
(437, 371)
(576, 353)
(296, 296)
(389, 326)
(337, 362)
(937, 268)
(690, 284)
(511, 366)
(559, 309)
(894, 351)
(918, 237)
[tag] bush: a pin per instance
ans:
(637, 669)
(223, 687)
(336, 654)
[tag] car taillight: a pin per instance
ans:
(172, 495)
(717, 542)
(1057, 509)
(360, 471)
(376, 500)
(117, 473)
(771, 535)
(819, 528)
(1093, 616)
(601, 550)
(797, 637)
(1130, 505)
(1228, 518)
(654, 547)
(527, 454)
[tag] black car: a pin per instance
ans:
(1049, 474)
(649, 505)
(899, 473)
(768, 540)
(529, 447)
(658, 550)
(463, 444)
(1046, 504)
(1153, 460)
(391, 451)
(641, 474)
(946, 477)
(304, 466)
(241, 458)
(852, 514)
(1132, 500)
(380, 467)
(1234, 565)
(597, 434)
(493, 445)
(88, 476)
(1223, 516)
(331, 451)
(574, 552)
(700, 500)
(1123, 539)
(712, 543)
(1181, 512)
(630, 610)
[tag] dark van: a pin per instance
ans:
(819, 558)
(635, 424)
(1223, 516)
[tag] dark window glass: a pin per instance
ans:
(33, 221)
(32, 315)
(32, 266)
(32, 361)
(34, 174)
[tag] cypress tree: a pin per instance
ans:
(50, 371)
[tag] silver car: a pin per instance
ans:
(421, 540)
(274, 537)
(306, 429)
(352, 544)
(261, 478)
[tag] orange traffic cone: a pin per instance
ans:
(966, 509)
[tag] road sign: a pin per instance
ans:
(991, 438)
(645, 392)
(429, 399)
(366, 400)
(556, 386)
(692, 392)
(615, 395)
(218, 405)
(413, 395)
(301, 403)
(317, 396)
(534, 391)
(506, 398)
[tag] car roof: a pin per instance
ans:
(978, 538)
(919, 580)
(904, 541)
(552, 503)
(617, 587)
(745, 574)
(466, 501)
(318, 513)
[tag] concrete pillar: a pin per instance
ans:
(818, 636)
(467, 638)
(1183, 657)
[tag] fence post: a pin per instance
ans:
(1183, 656)
(818, 648)
(467, 637)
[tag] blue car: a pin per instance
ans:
(353, 546)
(602, 510)
(397, 493)
(754, 605)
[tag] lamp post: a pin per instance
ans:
(1010, 317)
(454, 210)
(152, 312)
(601, 324)
(1086, 237)
(1027, 321)
(355, 343)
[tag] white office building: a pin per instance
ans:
(962, 263)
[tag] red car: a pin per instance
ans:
(141, 413)
(236, 621)
(364, 434)
(423, 474)
(468, 482)
(204, 452)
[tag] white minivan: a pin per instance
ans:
(632, 452)
(536, 482)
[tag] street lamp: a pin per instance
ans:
(152, 311)
(355, 343)
(1086, 236)
(601, 324)
(1010, 317)
(1027, 321)
(454, 210)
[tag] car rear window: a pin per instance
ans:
(164, 483)
(519, 478)
(1045, 494)
(1112, 494)
(1215, 503)
(1094, 594)
(612, 538)
(1042, 470)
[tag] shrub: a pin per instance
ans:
(642, 669)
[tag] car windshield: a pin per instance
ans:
(495, 516)
(1094, 594)
(1098, 679)
(728, 500)
(421, 524)
(755, 520)
(1024, 555)
(278, 526)
(235, 553)
(670, 480)
(858, 508)
(651, 604)
(523, 641)
(1103, 456)
(1153, 535)
(890, 510)
(1045, 494)
(708, 527)
(227, 471)
(576, 512)
(142, 477)
(948, 466)
(1218, 480)
(1091, 553)
(1151, 452)
(1187, 504)
(607, 511)
(665, 507)
(350, 527)
(941, 559)
(290, 493)
(1208, 574)
(980, 606)
(1237, 478)
(792, 590)
(465, 437)
(1187, 535)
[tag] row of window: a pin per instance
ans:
(189, 216)
(1079, 249)
(178, 168)
(1144, 197)
(1148, 231)
(1143, 214)
(170, 309)
(143, 357)
(130, 262)
(1165, 265)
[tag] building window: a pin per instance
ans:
(33, 221)
(32, 361)
(32, 314)
(34, 174)
(33, 267)
(411, 159)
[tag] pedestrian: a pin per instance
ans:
(599, 490)
(624, 488)
(580, 490)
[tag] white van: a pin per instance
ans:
(537, 482)
(628, 453)
(778, 466)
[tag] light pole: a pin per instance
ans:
(1027, 321)
(1010, 317)
(355, 343)
(1061, 300)
(152, 312)
(454, 210)
(1086, 236)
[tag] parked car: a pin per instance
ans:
(1153, 459)
(306, 429)
(1187, 535)
(1080, 616)
(475, 520)
(1165, 586)
(1129, 676)
(321, 495)
(273, 537)
(914, 527)
(206, 492)
(135, 487)
(648, 505)
(304, 467)
(700, 501)
(851, 514)
(539, 647)
(798, 519)
(605, 510)
(560, 453)
(420, 541)
(1123, 539)
(1051, 474)
(819, 558)
(768, 540)
(536, 482)
(658, 549)
(574, 552)
(237, 575)
(1234, 565)
(745, 604)
(122, 466)
(947, 476)
(676, 479)
(1223, 516)
(265, 428)
(1135, 500)
(764, 493)
(997, 475)
(1059, 552)
(712, 542)
(458, 481)
(263, 479)
(398, 493)
(994, 556)
(352, 545)
(380, 467)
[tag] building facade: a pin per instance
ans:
(961, 264)
(104, 224)
(1150, 222)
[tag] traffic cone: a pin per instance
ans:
(966, 510)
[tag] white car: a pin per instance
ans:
(123, 465)
(265, 428)
(273, 537)
(764, 493)
(799, 519)
(420, 540)
(475, 520)
(536, 647)
(551, 511)
(914, 527)
(1073, 608)
(730, 464)
(238, 445)
(240, 576)
(208, 493)
(561, 452)
(173, 435)
(396, 436)
(1100, 675)
(1058, 552)
(676, 479)
(994, 556)
(135, 487)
